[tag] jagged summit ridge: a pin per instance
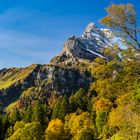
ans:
(89, 29)
(89, 45)
(99, 38)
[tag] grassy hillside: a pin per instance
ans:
(11, 76)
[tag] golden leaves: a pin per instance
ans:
(102, 105)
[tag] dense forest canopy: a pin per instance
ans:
(108, 109)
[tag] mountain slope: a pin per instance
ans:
(81, 92)
(53, 78)
(66, 72)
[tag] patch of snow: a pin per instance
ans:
(95, 35)
(108, 43)
(95, 53)
(94, 40)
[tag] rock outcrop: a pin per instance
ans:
(63, 75)
(89, 45)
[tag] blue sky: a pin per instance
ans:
(33, 31)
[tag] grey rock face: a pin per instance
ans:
(52, 78)
(62, 80)
(63, 75)
(75, 47)
(90, 45)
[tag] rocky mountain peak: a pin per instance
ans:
(89, 45)
(91, 27)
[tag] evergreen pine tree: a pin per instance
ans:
(28, 114)
(60, 109)
(14, 116)
(38, 113)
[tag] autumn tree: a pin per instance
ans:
(102, 105)
(19, 124)
(80, 126)
(55, 130)
(122, 20)
(29, 131)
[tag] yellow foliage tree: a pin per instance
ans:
(122, 19)
(55, 130)
(19, 124)
(29, 131)
(102, 105)
(116, 117)
(79, 126)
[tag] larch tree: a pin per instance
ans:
(122, 20)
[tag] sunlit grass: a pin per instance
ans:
(14, 76)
